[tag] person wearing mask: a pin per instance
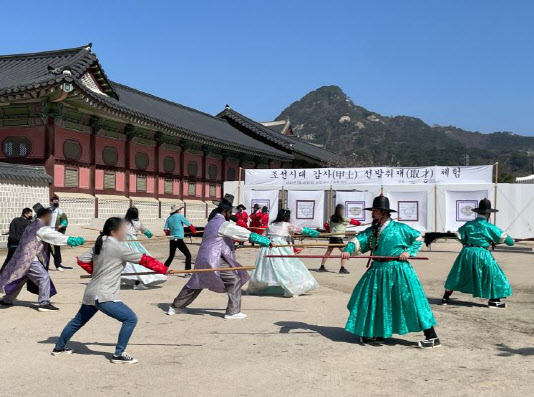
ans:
(28, 264)
(106, 261)
(59, 222)
(16, 228)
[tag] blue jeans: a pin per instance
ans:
(117, 310)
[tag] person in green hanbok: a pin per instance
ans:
(389, 298)
(475, 271)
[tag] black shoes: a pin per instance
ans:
(378, 341)
(429, 343)
(123, 358)
(59, 352)
(496, 305)
(445, 301)
(322, 269)
(48, 307)
(343, 271)
(5, 304)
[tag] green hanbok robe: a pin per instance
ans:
(475, 271)
(389, 298)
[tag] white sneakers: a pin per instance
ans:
(140, 287)
(172, 311)
(237, 316)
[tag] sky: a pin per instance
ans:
(455, 62)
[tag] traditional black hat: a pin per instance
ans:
(227, 203)
(381, 203)
(227, 197)
(241, 206)
(484, 207)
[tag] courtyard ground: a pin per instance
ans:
(285, 347)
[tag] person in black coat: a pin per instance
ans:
(16, 228)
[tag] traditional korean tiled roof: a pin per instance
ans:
(288, 142)
(24, 76)
(21, 72)
(25, 173)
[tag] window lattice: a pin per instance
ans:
(109, 180)
(72, 150)
(141, 183)
(71, 177)
(16, 146)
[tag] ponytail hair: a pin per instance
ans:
(337, 216)
(284, 215)
(112, 224)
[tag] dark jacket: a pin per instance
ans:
(16, 228)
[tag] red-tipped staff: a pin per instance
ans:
(393, 258)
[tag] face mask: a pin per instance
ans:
(55, 205)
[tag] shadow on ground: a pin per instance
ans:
(335, 334)
(507, 351)
(456, 302)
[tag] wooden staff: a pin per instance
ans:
(220, 269)
(308, 245)
(420, 258)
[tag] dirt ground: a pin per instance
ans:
(285, 347)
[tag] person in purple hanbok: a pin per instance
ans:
(216, 251)
(29, 262)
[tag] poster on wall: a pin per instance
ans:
(355, 210)
(305, 209)
(459, 207)
(408, 211)
(261, 203)
(464, 210)
(264, 198)
(411, 208)
(355, 203)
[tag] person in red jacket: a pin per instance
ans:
(242, 216)
(106, 261)
(255, 217)
(264, 218)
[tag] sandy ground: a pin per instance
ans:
(285, 347)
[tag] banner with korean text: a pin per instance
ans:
(370, 176)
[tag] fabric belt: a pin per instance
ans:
(476, 246)
(385, 260)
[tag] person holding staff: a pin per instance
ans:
(217, 247)
(475, 271)
(16, 228)
(281, 276)
(174, 227)
(337, 225)
(389, 298)
(106, 261)
(28, 265)
(134, 226)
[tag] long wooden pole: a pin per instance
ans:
(435, 207)
(495, 191)
(317, 245)
(420, 258)
(331, 201)
(239, 186)
(221, 269)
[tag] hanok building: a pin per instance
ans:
(108, 146)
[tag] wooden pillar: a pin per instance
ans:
(182, 174)
(495, 192)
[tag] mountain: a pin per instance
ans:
(329, 118)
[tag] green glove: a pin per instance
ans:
(259, 239)
(149, 234)
(306, 231)
(75, 241)
(350, 248)
(64, 223)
